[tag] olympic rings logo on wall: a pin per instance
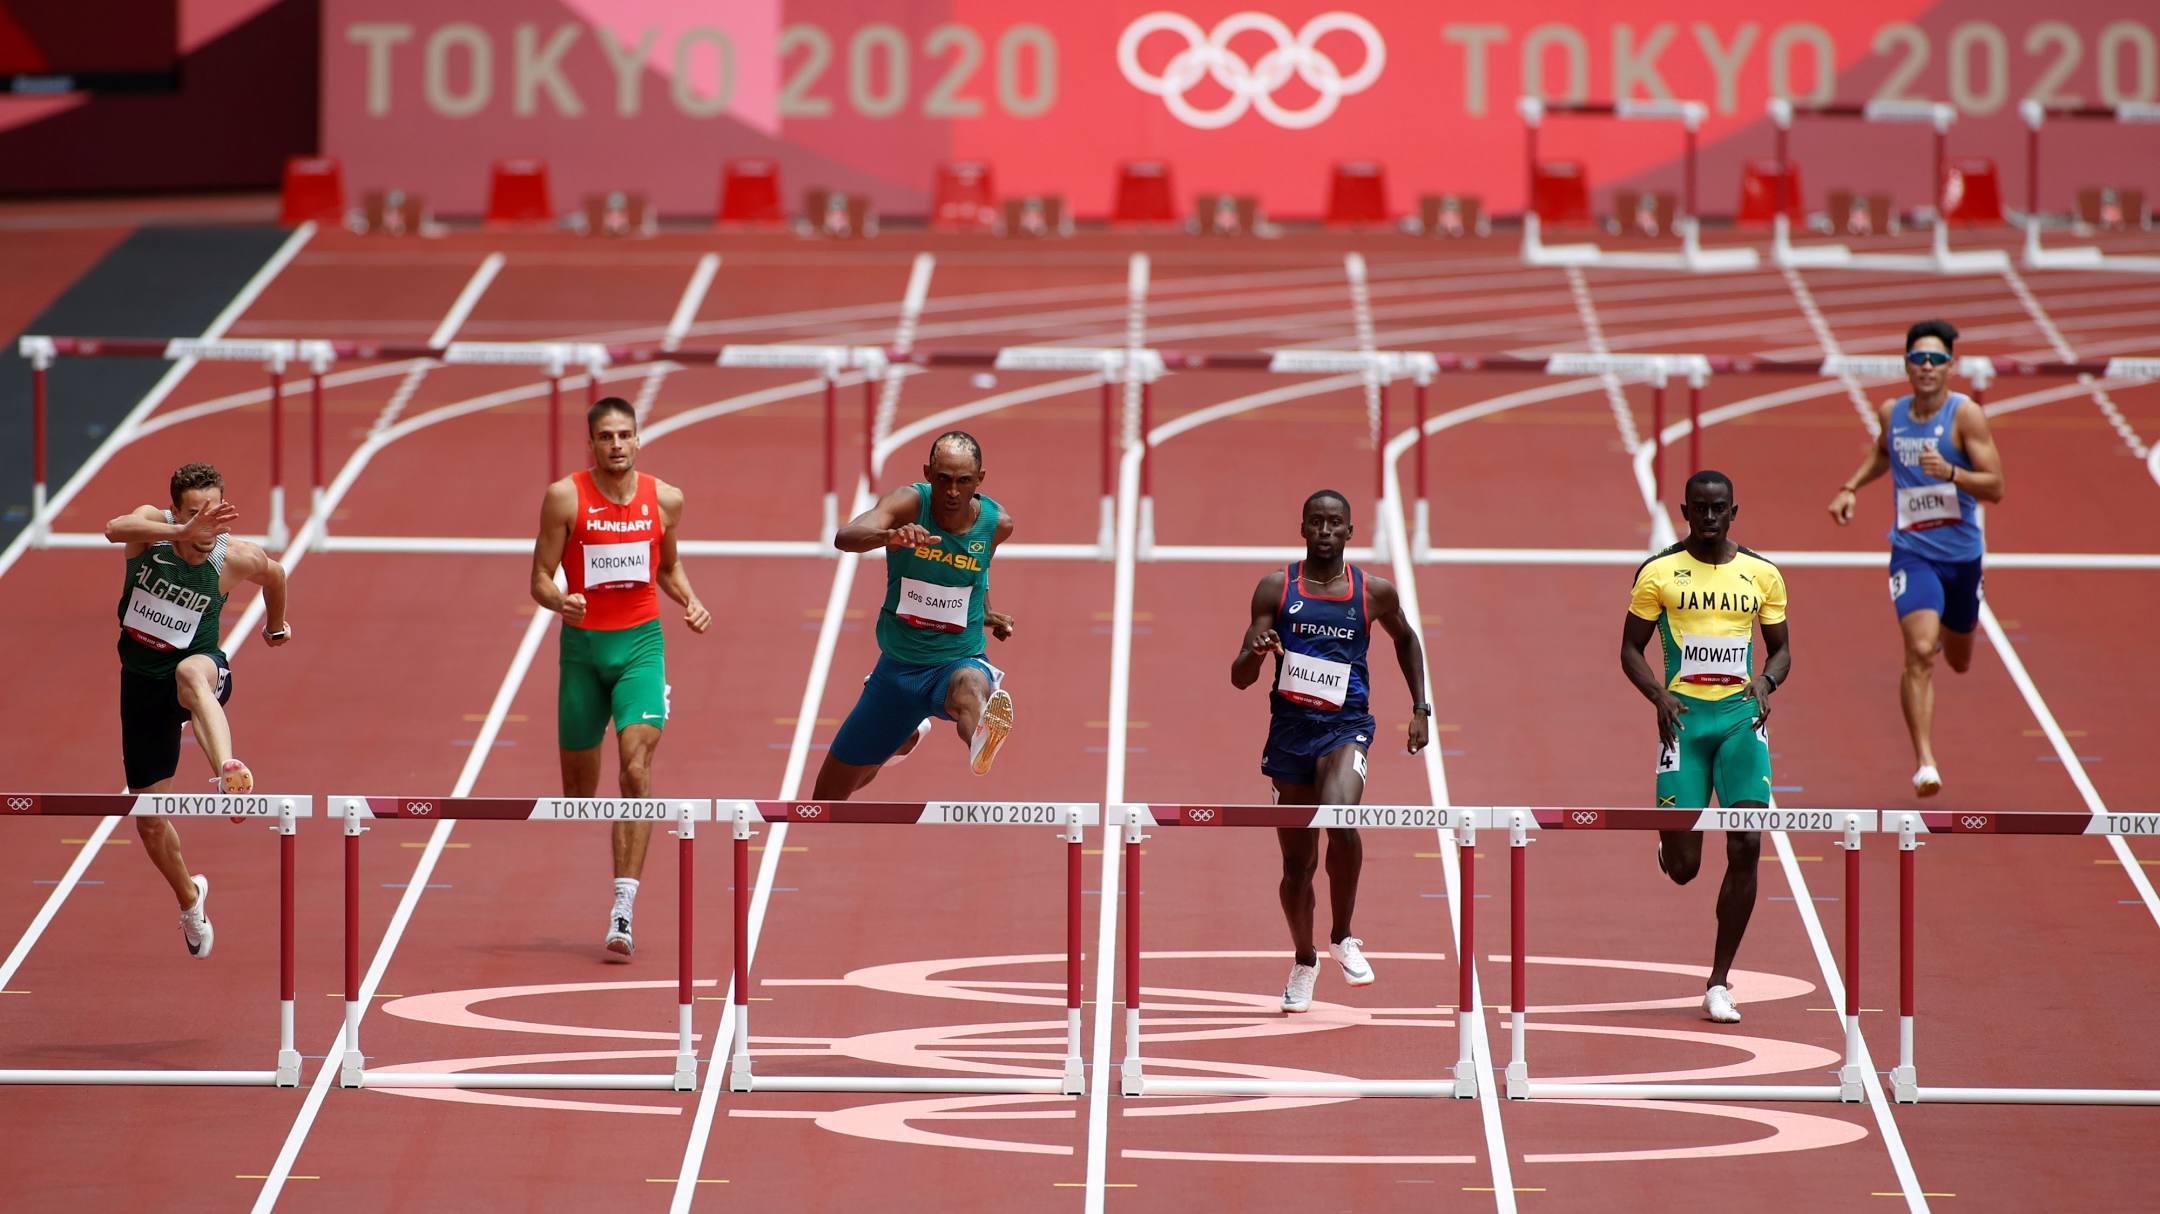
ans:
(1252, 86)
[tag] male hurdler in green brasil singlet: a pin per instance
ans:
(939, 536)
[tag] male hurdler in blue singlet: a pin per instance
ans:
(1942, 462)
(1316, 617)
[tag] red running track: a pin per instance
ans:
(875, 941)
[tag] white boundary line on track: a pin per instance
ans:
(468, 299)
(686, 309)
(483, 748)
(828, 641)
(2062, 350)
(124, 433)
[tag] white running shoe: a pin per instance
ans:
(618, 937)
(1350, 954)
(1717, 1005)
(996, 726)
(1927, 781)
(908, 747)
(1297, 993)
(195, 927)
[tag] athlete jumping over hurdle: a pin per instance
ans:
(1702, 598)
(1316, 617)
(616, 527)
(182, 563)
(939, 536)
(1945, 465)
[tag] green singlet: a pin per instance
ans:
(169, 608)
(935, 593)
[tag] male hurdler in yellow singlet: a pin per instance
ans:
(1702, 598)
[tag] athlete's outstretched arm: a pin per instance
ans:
(1635, 634)
(557, 510)
(1385, 607)
(672, 578)
(1876, 463)
(145, 525)
(248, 562)
(1260, 637)
(1001, 626)
(889, 524)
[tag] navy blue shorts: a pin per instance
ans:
(895, 699)
(1951, 589)
(1296, 744)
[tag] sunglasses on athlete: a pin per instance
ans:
(1927, 358)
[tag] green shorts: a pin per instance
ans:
(1720, 748)
(622, 674)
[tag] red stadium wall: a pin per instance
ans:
(654, 94)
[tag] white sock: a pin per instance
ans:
(625, 893)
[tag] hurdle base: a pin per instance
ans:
(1940, 259)
(1904, 1085)
(352, 1069)
(288, 1068)
(1427, 1088)
(1691, 256)
(163, 1079)
(1051, 1086)
(2081, 257)
(685, 1079)
(1074, 1082)
(2124, 1096)
(1518, 1081)
(1677, 1091)
(520, 1079)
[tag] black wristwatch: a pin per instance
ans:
(1424, 708)
(1767, 679)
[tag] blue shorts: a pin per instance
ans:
(1951, 589)
(1296, 744)
(895, 699)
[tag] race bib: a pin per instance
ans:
(1920, 507)
(934, 607)
(1314, 682)
(1718, 661)
(618, 566)
(160, 624)
(1668, 758)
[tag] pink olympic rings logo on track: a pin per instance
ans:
(1973, 822)
(1207, 55)
(1584, 817)
(21, 805)
(1199, 815)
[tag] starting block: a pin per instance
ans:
(1560, 192)
(1227, 215)
(518, 192)
(1452, 215)
(1357, 193)
(1035, 215)
(392, 213)
(965, 198)
(749, 193)
(314, 191)
(832, 213)
(1759, 191)
(1642, 213)
(1971, 191)
(615, 213)
(1143, 193)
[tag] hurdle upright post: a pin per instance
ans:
(1658, 377)
(1106, 525)
(685, 952)
(1132, 1081)
(1698, 374)
(40, 352)
(1518, 1067)
(1380, 382)
(869, 431)
(288, 1059)
(739, 1074)
(832, 443)
(1468, 1015)
(555, 370)
(1421, 540)
(1851, 1074)
(354, 1062)
(319, 355)
(1074, 834)
(1147, 462)
(277, 535)
(1904, 1079)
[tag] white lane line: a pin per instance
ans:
(1828, 341)
(1661, 528)
(467, 300)
(483, 746)
(693, 298)
(708, 1104)
(2061, 347)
